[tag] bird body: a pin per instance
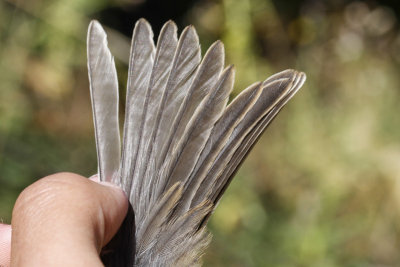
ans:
(181, 144)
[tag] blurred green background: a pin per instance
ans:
(322, 186)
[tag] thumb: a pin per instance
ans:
(64, 220)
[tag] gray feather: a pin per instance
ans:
(185, 63)
(251, 138)
(206, 78)
(184, 66)
(270, 94)
(140, 66)
(166, 47)
(104, 95)
(181, 144)
(233, 114)
(151, 226)
(200, 126)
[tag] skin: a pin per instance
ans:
(62, 220)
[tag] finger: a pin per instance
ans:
(5, 244)
(64, 220)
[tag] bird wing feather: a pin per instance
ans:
(184, 65)
(251, 138)
(270, 94)
(200, 126)
(232, 115)
(104, 96)
(205, 79)
(164, 54)
(181, 143)
(140, 66)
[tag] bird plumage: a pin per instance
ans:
(181, 143)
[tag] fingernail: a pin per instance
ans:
(95, 178)
(110, 185)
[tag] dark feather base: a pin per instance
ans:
(120, 251)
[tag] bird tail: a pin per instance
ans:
(182, 144)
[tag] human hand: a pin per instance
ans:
(62, 220)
